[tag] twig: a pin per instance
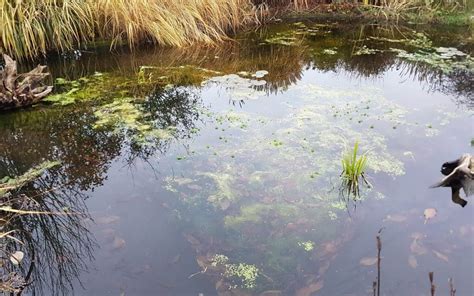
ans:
(379, 259)
(196, 273)
(452, 291)
(433, 287)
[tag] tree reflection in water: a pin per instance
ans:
(59, 246)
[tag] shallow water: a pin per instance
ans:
(199, 173)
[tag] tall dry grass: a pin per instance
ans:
(33, 27)
(169, 22)
(29, 28)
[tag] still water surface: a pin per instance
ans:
(216, 170)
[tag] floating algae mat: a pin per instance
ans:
(204, 171)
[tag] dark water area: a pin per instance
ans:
(216, 170)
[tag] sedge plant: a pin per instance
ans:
(353, 169)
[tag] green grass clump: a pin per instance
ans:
(353, 168)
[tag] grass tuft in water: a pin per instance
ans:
(353, 168)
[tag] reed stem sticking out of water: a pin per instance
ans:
(452, 290)
(433, 287)
(379, 259)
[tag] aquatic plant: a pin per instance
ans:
(307, 245)
(444, 59)
(20, 90)
(353, 168)
(244, 275)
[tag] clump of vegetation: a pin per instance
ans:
(125, 115)
(308, 246)
(353, 168)
(244, 275)
(20, 90)
(32, 28)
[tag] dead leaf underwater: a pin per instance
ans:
(108, 219)
(417, 248)
(118, 243)
(441, 256)
(395, 218)
(429, 213)
(310, 289)
(412, 261)
(368, 261)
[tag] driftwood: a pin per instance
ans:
(20, 90)
(459, 174)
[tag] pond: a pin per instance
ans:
(216, 170)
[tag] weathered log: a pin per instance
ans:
(21, 90)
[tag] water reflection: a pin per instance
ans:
(365, 52)
(57, 246)
(260, 196)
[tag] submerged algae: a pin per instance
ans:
(242, 274)
(125, 115)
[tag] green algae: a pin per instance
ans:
(364, 50)
(330, 51)
(257, 212)
(242, 274)
(444, 59)
(240, 88)
(224, 195)
(94, 87)
(124, 115)
(308, 246)
(183, 75)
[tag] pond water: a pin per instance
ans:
(204, 171)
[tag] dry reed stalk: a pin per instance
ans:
(433, 287)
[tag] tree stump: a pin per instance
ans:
(21, 90)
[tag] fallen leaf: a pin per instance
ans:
(395, 218)
(310, 289)
(417, 247)
(441, 256)
(323, 268)
(16, 257)
(416, 235)
(412, 261)
(118, 243)
(271, 293)
(108, 219)
(108, 234)
(368, 261)
(429, 213)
